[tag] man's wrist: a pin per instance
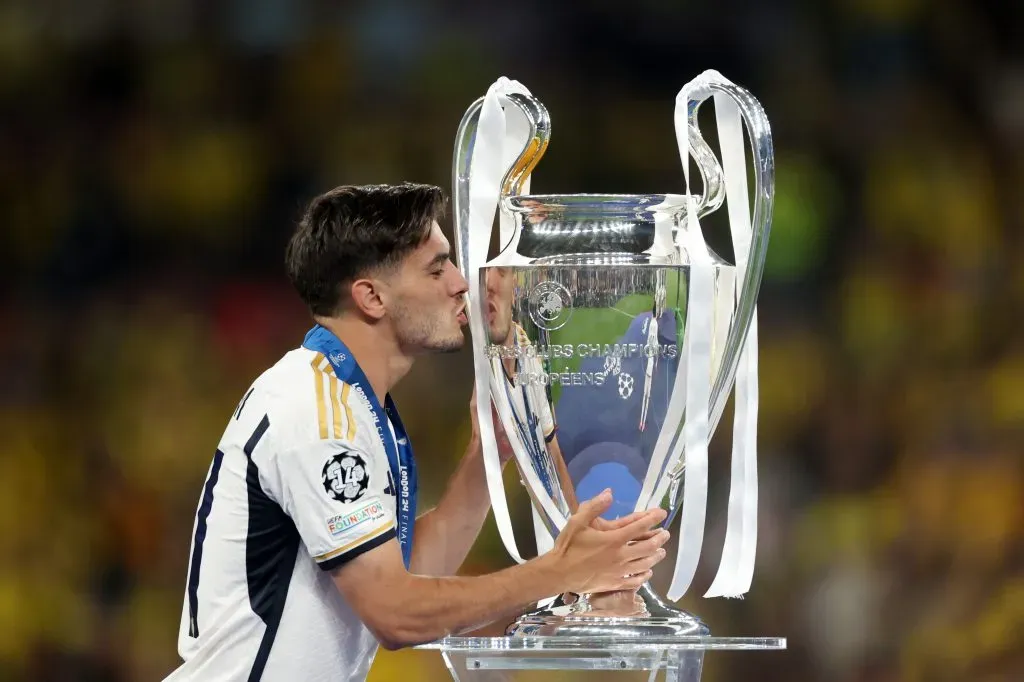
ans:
(547, 578)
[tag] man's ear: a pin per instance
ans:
(367, 297)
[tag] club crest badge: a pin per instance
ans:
(550, 305)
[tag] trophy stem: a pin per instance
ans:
(619, 614)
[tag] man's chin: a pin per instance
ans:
(451, 345)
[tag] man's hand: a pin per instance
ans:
(604, 524)
(505, 451)
(604, 556)
(601, 523)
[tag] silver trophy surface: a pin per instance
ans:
(580, 328)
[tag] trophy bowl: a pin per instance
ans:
(580, 328)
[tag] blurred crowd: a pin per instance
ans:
(154, 156)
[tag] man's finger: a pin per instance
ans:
(647, 546)
(645, 562)
(615, 524)
(637, 581)
(594, 507)
(641, 525)
(649, 534)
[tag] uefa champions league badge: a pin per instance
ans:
(345, 477)
(550, 305)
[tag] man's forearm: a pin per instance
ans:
(452, 605)
(445, 534)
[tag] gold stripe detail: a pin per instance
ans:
(345, 390)
(352, 545)
(321, 406)
(335, 405)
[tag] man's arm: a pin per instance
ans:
(445, 534)
(404, 609)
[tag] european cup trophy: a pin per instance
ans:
(609, 337)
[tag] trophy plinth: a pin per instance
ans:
(680, 658)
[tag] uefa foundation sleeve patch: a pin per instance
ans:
(358, 521)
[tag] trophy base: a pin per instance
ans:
(642, 614)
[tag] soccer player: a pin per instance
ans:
(307, 549)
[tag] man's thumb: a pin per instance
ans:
(594, 507)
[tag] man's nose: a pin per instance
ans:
(462, 286)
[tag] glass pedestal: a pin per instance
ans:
(489, 659)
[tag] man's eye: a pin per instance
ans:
(437, 273)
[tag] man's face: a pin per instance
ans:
(500, 285)
(428, 309)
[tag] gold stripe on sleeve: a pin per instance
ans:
(321, 406)
(345, 390)
(335, 405)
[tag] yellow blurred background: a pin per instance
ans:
(154, 155)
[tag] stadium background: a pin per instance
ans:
(153, 157)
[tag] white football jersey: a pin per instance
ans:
(300, 484)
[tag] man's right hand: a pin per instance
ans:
(596, 557)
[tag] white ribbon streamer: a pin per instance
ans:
(486, 171)
(700, 310)
(500, 138)
(736, 568)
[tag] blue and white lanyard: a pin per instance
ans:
(397, 445)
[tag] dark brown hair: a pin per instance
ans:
(352, 231)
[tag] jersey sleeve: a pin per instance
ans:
(339, 497)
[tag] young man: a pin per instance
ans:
(303, 556)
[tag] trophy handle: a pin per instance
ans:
(763, 155)
(540, 135)
(710, 171)
(539, 121)
(764, 178)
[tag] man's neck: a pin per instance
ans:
(376, 352)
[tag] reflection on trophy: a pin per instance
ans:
(609, 338)
(529, 402)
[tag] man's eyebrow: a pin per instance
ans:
(438, 259)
